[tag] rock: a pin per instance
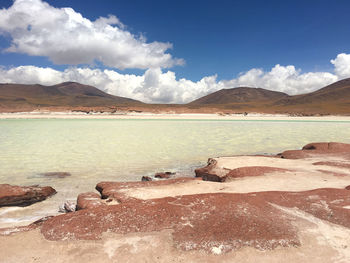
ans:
(262, 220)
(89, 200)
(146, 179)
(328, 146)
(11, 195)
(348, 187)
(328, 154)
(61, 209)
(207, 173)
(295, 154)
(251, 171)
(40, 221)
(316, 149)
(113, 189)
(56, 174)
(67, 207)
(165, 175)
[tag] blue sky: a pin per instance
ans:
(218, 42)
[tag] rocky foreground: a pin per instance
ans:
(291, 207)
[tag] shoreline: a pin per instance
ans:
(293, 205)
(170, 116)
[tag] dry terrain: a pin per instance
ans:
(70, 96)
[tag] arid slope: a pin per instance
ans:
(67, 94)
(332, 99)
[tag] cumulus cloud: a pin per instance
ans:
(157, 86)
(342, 65)
(285, 79)
(153, 86)
(66, 37)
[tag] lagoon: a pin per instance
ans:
(95, 150)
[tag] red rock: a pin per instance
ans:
(11, 195)
(296, 154)
(328, 146)
(314, 149)
(251, 171)
(89, 200)
(206, 220)
(206, 173)
(348, 187)
(111, 189)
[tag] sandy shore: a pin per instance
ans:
(169, 116)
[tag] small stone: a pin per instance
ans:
(165, 175)
(67, 207)
(146, 179)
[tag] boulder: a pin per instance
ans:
(207, 173)
(12, 195)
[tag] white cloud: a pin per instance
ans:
(153, 86)
(66, 37)
(342, 65)
(163, 87)
(285, 79)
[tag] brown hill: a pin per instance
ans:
(239, 95)
(332, 99)
(333, 93)
(67, 94)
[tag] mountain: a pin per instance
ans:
(67, 94)
(332, 99)
(333, 93)
(239, 95)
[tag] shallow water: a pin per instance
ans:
(124, 150)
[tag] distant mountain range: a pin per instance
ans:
(67, 94)
(332, 99)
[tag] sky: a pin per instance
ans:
(175, 51)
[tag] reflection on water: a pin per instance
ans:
(96, 150)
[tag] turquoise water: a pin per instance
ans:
(123, 150)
